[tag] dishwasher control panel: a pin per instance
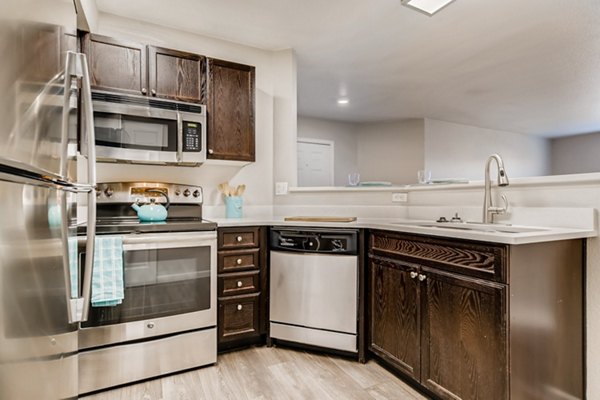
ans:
(315, 240)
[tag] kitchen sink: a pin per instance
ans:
(474, 226)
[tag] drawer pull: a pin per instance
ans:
(413, 274)
(239, 307)
(150, 325)
(240, 284)
(239, 238)
(422, 277)
(239, 261)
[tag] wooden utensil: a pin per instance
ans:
(240, 190)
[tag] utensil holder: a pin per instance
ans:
(233, 206)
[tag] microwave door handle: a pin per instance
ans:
(179, 138)
(86, 99)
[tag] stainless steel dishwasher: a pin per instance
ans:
(314, 287)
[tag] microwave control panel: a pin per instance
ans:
(191, 136)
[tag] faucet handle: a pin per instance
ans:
(500, 210)
(505, 201)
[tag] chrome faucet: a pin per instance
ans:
(488, 208)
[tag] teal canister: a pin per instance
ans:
(233, 206)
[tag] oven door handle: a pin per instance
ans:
(165, 241)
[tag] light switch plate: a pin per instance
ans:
(399, 197)
(281, 188)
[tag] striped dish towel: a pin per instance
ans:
(107, 277)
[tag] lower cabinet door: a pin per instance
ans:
(395, 322)
(464, 337)
(238, 317)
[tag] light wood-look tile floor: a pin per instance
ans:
(262, 373)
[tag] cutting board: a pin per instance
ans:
(320, 219)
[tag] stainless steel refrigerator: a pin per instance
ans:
(45, 104)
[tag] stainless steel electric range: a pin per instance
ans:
(167, 319)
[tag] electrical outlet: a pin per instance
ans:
(399, 197)
(281, 188)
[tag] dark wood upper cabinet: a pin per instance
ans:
(116, 65)
(176, 75)
(230, 108)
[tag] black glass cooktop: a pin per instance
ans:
(125, 226)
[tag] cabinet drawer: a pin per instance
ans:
(481, 260)
(237, 284)
(238, 317)
(232, 261)
(239, 238)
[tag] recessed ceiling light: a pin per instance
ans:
(343, 101)
(428, 7)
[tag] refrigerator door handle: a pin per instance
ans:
(73, 304)
(88, 118)
(71, 72)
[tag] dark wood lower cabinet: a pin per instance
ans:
(395, 317)
(464, 337)
(239, 317)
(242, 286)
(479, 321)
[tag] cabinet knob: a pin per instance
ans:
(422, 277)
(210, 151)
(239, 238)
(150, 325)
(144, 91)
(153, 92)
(239, 307)
(413, 274)
(240, 284)
(239, 261)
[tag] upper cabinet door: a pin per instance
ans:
(116, 65)
(176, 75)
(230, 107)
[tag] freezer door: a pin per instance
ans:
(38, 345)
(38, 105)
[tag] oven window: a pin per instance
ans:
(144, 133)
(159, 283)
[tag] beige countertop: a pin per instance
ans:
(486, 234)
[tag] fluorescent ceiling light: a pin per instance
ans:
(428, 7)
(343, 101)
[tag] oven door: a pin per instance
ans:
(170, 287)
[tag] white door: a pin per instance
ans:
(315, 163)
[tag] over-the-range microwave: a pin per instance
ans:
(138, 129)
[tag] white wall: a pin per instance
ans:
(575, 154)
(275, 111)
(391, 151)
(460, 151)
(343, 134)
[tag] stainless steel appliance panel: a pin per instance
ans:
(170, 286)
(138, 129)
(314, 290)
(38, 107)
(37, 342)
(126, 363)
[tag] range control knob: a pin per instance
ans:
(108, 191)
(177, 192)
(196, 193)
(186, 192)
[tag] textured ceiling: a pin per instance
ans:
(529, 66)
